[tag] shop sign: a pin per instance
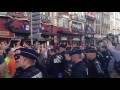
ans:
(63, 38)
(76, 39)
(97, 36)
(89, 35)
(4, 33)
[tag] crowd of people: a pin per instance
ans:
(42, 61)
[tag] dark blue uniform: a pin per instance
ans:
(94, 69)
(107, 58)
(79, 70)
(54, 67)
(68, 69)
(63, 60)
(30, 72)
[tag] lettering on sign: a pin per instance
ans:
(76, 39)
(4, 33)
(63, 38)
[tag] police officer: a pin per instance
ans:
(94, 66)
(68, 66)
(107, 57)
(79, 70)
(62, 50)
(26, 59)
(53, 65)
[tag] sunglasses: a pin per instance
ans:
(17, 57)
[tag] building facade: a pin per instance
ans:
(115, 23)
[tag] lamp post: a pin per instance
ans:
(31, 28)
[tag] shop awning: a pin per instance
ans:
(47, 33)
(64, 32)
(20, 31)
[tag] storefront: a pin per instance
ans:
(64, 40)
(5, 34)
(77, 29)
(19, 24)
(76, 41)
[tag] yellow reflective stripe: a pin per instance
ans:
(8, 75)
(7, 59)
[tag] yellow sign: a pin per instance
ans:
(4, 33)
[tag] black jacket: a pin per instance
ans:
(107, 58)
(94, 69)
(68, 69)
(63, 61)
(30, 72)
(79, 70)
(54, 67)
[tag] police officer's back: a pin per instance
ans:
(62, 49)
(25, 59)
(54, 65)
(79, 70)
(94, 66)
(107, 57)
(68, 66)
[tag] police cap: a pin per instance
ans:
(90, 50)
(25, 52)
(68, 52)
(76, 52)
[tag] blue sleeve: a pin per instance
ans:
(79, 73)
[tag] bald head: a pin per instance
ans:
(77, 57)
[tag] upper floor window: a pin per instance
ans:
(63, 22)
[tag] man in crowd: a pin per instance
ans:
(26, 59)
(68, 66)
(10, 61)
(62, 50)
(53, 65)
(79, 70)
(3, 65)
(94, 66)
(115, 71)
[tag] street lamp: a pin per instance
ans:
(31, 29)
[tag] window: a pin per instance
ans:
(76, 26)
(55, 22)
(47, 13)
(63, 22)
(60, 22)
(25, 14)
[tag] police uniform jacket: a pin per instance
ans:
(68, 68)
(79, 70)
(30, 72)
(94, 69)
(54, 67)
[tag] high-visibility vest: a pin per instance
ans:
(7, 60)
